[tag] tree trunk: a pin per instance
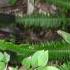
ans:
(30, 8)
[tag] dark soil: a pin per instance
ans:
(33, 35)
(20, 6)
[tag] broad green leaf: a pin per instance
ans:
(41, 68)
(65, 35)
(7, 57)
(1, 57)
(2, 66)
(47, 68)
(51, 68)
(40, 58)
(27, 62)
(4, 57)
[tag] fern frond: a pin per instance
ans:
(21, 49)
(57, 50)
(43, 21)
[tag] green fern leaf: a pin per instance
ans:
(65, 35)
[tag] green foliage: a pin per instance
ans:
(40, 58)
(65, 66)
(48, 68)
(57, 50)
(51, 68)
(2, 66)
(65, 35)
(4, 59)
(39, 61)
(27, 62)
(59, 20)
(43, 21)
(60, 3)
(12, 2)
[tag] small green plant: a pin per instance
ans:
(57, 50)
(38, 61)
(4, 59)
